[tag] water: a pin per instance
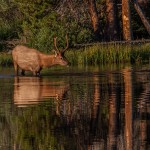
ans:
(89, 108)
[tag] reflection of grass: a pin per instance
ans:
(101, 54)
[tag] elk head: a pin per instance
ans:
(59, 54)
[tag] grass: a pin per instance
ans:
(5, 59)
(100, 54)
(106, 54)
(141, 53)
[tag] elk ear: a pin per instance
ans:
(55, 52)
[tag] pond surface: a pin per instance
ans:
(90, 108)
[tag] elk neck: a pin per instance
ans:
(47, 60)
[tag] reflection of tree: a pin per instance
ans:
(5, 133)
(35, 127)
(113, 114)
(128, 108)
(6, 86)
(95, 113)
(144, 111)
(96, 98)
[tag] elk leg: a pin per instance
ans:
(16, 68)
(38, 74)
(23, 72)
(34, 73)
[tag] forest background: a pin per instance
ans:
(37, 22)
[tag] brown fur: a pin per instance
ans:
(28, 59)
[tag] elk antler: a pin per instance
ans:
(67, 44)
(55, 44)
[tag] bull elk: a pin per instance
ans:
(29, 59)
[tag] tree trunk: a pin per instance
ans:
(126, 21)
(94, 17)
(142, 16)
(112, 27)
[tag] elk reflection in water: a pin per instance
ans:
(32, 90)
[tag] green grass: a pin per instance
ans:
(100, 54)
(141, 53)
(106, 54)
(5, 59)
